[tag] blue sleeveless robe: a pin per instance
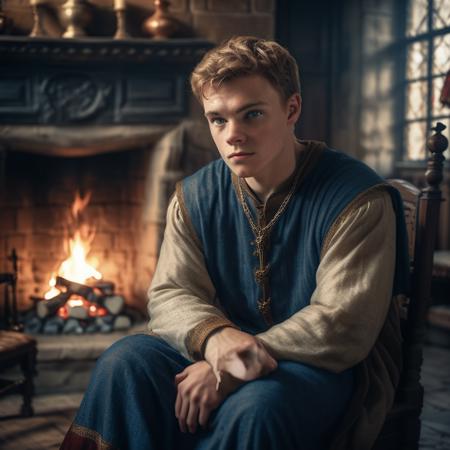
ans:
(211, 203)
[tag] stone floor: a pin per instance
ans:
(54, 413)
(435, 434)
(44, 431)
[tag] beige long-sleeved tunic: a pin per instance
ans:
(340, 327)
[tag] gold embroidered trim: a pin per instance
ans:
(235, 181)
(196, 338)
(92, 435)
(185, 214)
(363, 197)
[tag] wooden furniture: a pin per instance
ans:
(401, 430)
(16, 348)
(441, 278)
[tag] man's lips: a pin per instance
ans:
(239, 155)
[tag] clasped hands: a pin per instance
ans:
(232, 357)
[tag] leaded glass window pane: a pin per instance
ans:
(427, 62)
(441, 54)
(415, 138)
(417, 17)
(441, 14)
(417, 60)
(416, 100)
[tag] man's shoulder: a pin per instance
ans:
(333, 162)
(339, 157)
(340, 168)
(214, 169)
(206, 184)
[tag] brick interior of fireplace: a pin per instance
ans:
(35, 214)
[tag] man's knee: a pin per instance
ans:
(131, 353)
(259, 403)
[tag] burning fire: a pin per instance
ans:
(75, 267)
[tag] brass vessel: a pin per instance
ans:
(3, 23)
(75, 15)
(38, 28)
(161, 24)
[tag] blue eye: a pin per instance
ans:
(254, 114)
(218, 121)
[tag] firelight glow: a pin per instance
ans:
(75, 267)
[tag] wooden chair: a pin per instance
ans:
(16, 348)
(401, 430)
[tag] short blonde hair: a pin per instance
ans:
(247, 55)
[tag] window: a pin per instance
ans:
(427, 62)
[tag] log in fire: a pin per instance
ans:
(79, 308)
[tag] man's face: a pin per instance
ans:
(251, 125)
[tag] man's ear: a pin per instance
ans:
(294, 105)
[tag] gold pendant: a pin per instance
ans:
(264, 309)
(261, 274)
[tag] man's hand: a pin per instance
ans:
(240, 354)
(197, 395)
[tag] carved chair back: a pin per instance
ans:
(401, 430)
(16, 349)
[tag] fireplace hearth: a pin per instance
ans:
(127, 153)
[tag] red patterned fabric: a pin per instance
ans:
(445, 93)
(81, 438)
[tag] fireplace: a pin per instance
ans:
(117, 151)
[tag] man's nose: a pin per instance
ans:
(236, 134)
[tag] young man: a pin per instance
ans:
(272, 320)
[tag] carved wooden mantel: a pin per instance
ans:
(53, 91)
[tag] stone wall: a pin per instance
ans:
(364, 92)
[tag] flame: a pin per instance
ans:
(80, 203)
(75, 267)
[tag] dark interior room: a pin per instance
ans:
(98, 124)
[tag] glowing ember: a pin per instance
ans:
(97, 311)
(63, 312)
(76, 302)
(75, 267)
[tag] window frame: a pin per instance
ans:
(405, 42)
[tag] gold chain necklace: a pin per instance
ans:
(261, 232)
(262, 272)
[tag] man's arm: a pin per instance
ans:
(353, 293)
(182, 310)
(181, 299)
(181, 295)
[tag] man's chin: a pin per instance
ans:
(242, 170)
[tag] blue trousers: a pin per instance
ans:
(130, 403)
